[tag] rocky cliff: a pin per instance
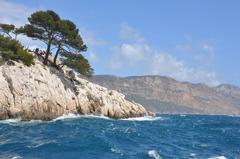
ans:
(166, 95)
(43, 92)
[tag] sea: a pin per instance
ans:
(96, 137)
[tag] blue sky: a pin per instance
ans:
(196, 41)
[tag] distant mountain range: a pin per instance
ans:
(166, 95)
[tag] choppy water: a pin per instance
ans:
(165, 136)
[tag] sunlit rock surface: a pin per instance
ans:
(43, 92)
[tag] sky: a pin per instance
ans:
(195, 41)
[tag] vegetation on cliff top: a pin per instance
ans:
(59, 35)
(11, 49)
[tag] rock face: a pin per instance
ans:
(166, 95)
(42, 92)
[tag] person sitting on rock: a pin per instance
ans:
(42, 53)
(36, 51)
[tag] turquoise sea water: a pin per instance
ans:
(85, 137)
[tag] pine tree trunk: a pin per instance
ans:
(47, 52)
(56, 55)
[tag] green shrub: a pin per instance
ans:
(77, 62)
(1, 61)
(11, 49)
(25, 57)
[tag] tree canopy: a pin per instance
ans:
(11, 49)
(43, 26)
(78, 63)
(68, 39)
(9, 30)
(48, 27)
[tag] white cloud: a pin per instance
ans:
(131, 53)
(17, 14)
(90, 39)
(14, 13)
(93, 57)
(140, 55)
(167, 65)
(129, 33)
(115, 64)
(204, 53)
(184, 47)
(209, 49)
(92, 42)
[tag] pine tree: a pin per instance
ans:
(43, 26)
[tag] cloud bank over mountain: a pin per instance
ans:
(135, 52)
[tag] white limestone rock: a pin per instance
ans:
(43, 92)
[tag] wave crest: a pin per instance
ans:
(218, 157)
(10, 121)
(154, 154)
(146, 118)
(74, 116)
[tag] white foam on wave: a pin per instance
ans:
(117, 151)
(16, 157)
(10, 121)
(218, 157)
(33, 121)
(235, 116)
(154, 154)
(96, 116)
(67, 116)
(19, 120)
(36, 144)
(63, 117)
(74, 116)
(145, 118)
(183, 115)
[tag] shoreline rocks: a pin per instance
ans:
(42, 92)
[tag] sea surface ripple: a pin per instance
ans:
(91, 137)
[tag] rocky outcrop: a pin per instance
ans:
(43, 92)
(166, 95)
